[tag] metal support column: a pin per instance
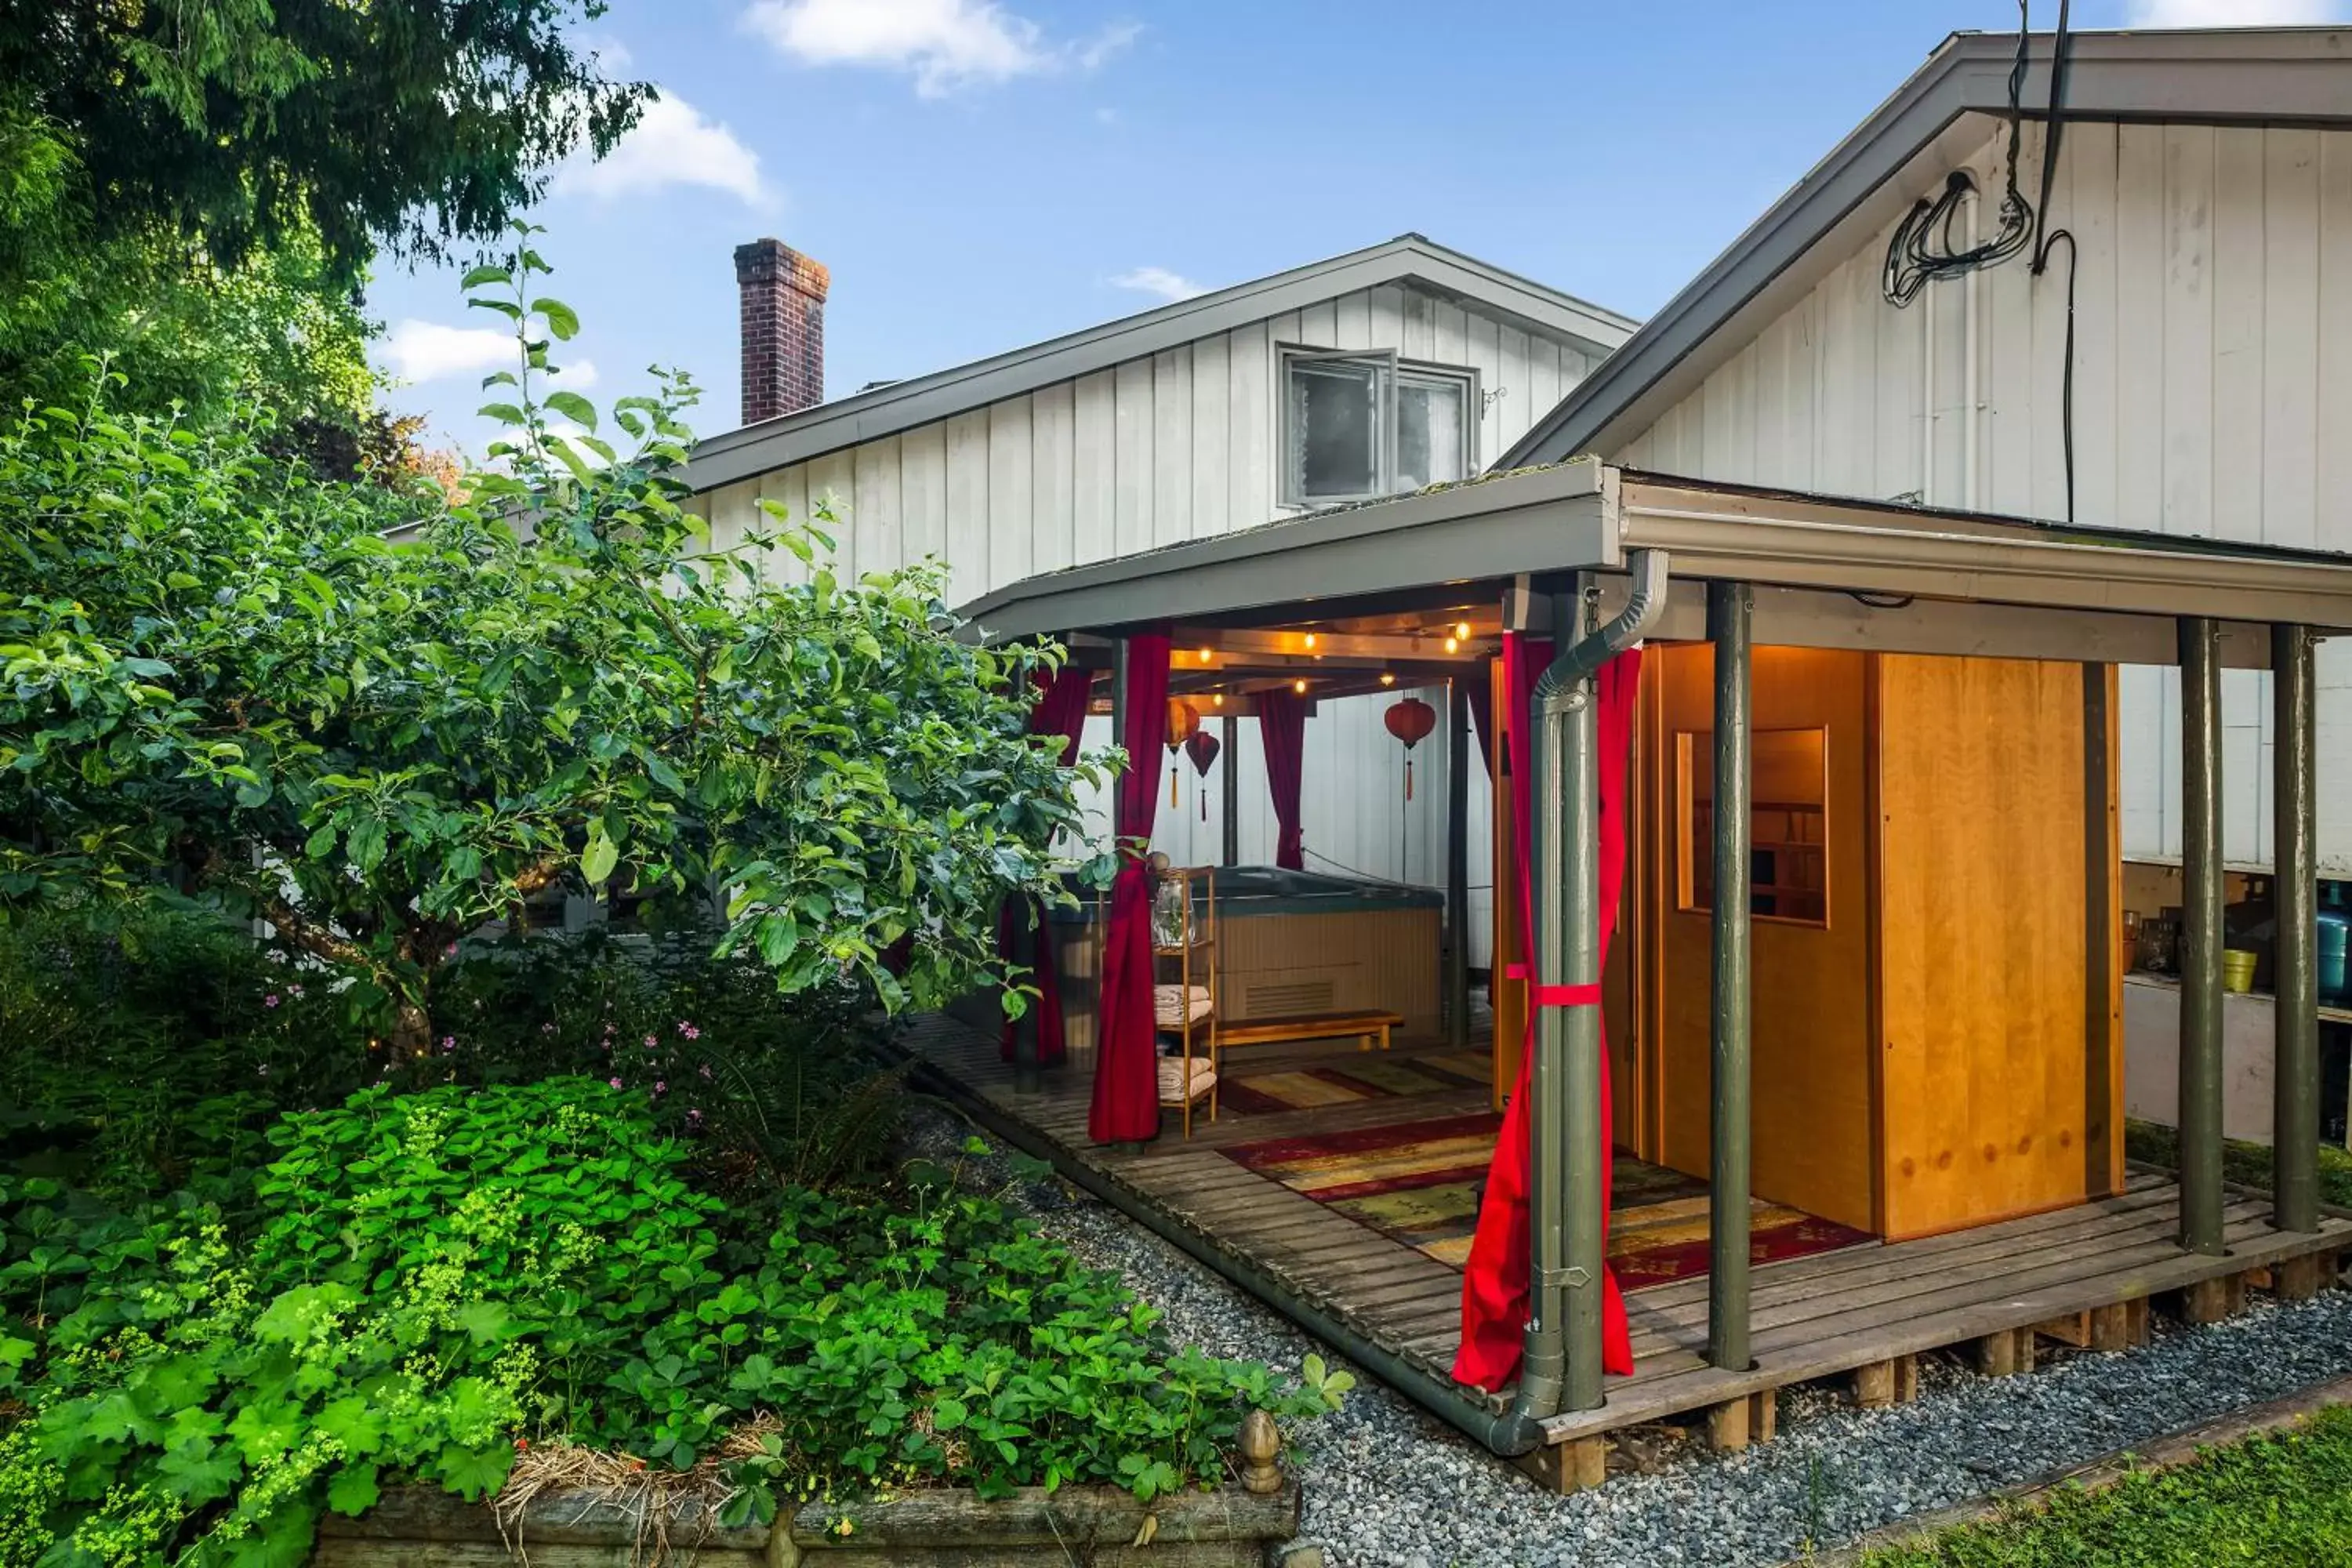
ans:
(1229, 773)
(2200, 936)
(1728, 607)
(2295, 1132)
(1457, 863)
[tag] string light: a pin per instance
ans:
(1217, 698)
(1388, 677)
(1311, 640)
(1204, 656)
(1453, 645)
(1462, 631)
(1299, 687)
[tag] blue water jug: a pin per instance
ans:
(2335, 930)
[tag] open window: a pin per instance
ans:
(1359, 426)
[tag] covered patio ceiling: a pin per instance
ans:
(1415, 588)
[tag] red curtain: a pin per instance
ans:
(1126, 1107)
(1282, 727)
(1494, 1282)
(1060, 709)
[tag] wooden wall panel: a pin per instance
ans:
(1991, 1104)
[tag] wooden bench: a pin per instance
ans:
(1365, 1027)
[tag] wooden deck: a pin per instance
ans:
(2082, 1275)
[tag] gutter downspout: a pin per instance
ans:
(1561, 1360)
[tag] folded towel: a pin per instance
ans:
(1171, 1009)
(1171, 1078)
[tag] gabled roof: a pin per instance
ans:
(2220, 77)
(901, 405)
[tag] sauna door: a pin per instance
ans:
(1812, 894)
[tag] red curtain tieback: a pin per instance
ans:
(1565, 995)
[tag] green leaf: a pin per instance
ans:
(597, 861)
(574, 407)
(353, 1489)
(504, 413)
(562, 321)
(479, 276)
(474, 1473)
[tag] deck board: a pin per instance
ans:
(1813, 1317)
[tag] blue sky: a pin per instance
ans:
(982, 175)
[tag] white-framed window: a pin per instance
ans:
(1356, 426)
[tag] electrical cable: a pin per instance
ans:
(2049, 242)
(1922, 250)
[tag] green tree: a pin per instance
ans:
(213, 663)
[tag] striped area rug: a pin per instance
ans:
(1417, 1182)
(1374, 1075)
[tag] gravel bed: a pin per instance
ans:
(1387, 1486)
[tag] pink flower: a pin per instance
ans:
(660, 1087)
(651, 1042)
(448, 1044)
(688, 1030)
(694, 1121)
(450, 950)
(271, 1000)
(616, 1082)
(295, 991)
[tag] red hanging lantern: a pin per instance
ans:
(1203, 748)
(1183, 723)
(1410, 721)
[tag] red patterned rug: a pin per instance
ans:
(1416, 1182)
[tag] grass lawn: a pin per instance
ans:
(2278, 1500)
(2248, 1164)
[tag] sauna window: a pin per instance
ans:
(1787, 867)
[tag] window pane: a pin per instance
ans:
(1428, 433)
(1788, 847)
(1334, 450)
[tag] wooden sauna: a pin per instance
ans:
(1936, 1004)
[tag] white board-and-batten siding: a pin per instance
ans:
(1152, 451)
(2213, 397)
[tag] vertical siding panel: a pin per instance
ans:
(1212, 389)
(1899, 430)
(2005, 297)
(923, 490)
(2334, 415)
(1093, 469)
(732, 511)
(967, 505)
(1132, 399)
(1500, 423)
(832, 488)
(1425, 326)
(1351, 322)
(2091, 218)
(1841, 431)
(1947, 305)
(1011, 496)
(1250, 428)
(1171, 446)
(1318, 326)
(881, 542)
(2290, 324)
(1513, 371)
(2141, 347)
(1384, 326)
(2234, 442)
(2044, 404)
(1543, 375)
(1053, 415)
(2188, 329)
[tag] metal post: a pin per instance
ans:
(1568, 955)
(1543, 1370)
(2200, 936)
(1457, 863)
(1728, 606)
(1229, 771)
(2295, 1132)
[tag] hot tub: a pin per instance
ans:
(1290, 942)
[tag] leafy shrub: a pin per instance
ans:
(431, 1281)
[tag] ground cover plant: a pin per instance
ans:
(2277, 1499)
(2247, 1164)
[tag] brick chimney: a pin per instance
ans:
(783, 329)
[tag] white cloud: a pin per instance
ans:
(672, 145)
(1169, 286)
(577, 375)
(2234, 13)
(427, 350)
(942, 44)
